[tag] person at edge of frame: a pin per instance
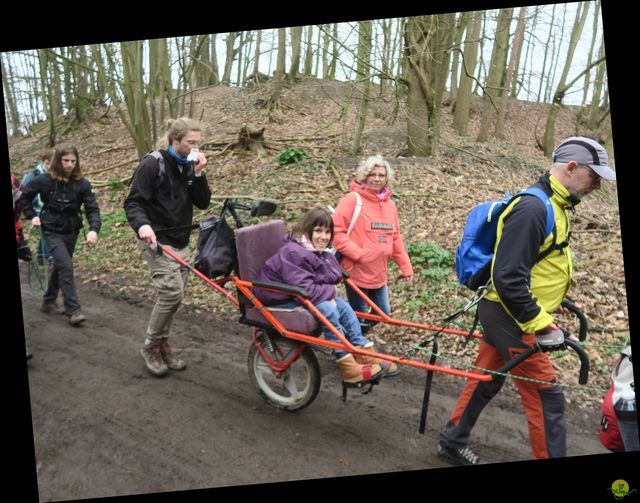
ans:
(516, 314)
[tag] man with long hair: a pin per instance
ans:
(63, 192)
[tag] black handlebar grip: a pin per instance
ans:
(584, 323)
(584, 360)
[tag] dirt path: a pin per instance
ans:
(104, 427)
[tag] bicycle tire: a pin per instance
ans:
(298, 386)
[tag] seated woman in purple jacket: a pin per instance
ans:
(304, 262)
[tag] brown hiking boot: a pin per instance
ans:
(77, 318)
(172, 361)
(153, 360)
(354, 374)
(392, 368)
(51, 308)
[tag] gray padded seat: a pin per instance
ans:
(255, 244)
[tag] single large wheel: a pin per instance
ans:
(292, 389)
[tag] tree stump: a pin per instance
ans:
(250, 140)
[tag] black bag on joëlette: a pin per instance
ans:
(216, 254)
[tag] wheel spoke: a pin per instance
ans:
(290, 384)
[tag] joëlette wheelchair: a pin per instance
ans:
(281, 362)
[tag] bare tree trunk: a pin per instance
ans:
(517, 83)
(45, 82)
(230, 57)
(334, 53)
(134, 95)
(326, 41)
(241, 44)
(518, 55)
(256, 54)
(296, 42)
(203, 66)
(214, 78)
(316, 73)
(363, 75)
(549, 130)
(515, 51)
(594, 36)
(597, 89)
(428, 41)
(461, 28)
(13, 116)
(274, 101)
(556, 57)
(547, 45)
(481, 59)
(308, 58)
(107, 74)
(386, 54)
(68, 83)
(469, 61)
(160, 86)
(496, 73)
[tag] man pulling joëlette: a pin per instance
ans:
(525, 291)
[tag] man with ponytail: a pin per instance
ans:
(164, 189)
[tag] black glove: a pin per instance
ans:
(550, 338)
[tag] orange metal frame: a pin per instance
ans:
(245, 287)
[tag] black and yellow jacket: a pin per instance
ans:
(527, 288)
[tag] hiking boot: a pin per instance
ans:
(354, 374)
(153, 360)
(392, 368)
(171, 360)
(462, 456)
(77, 318)
(51, 308)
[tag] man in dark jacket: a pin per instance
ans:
(530, 276)
(163, 193)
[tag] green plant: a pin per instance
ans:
(291, 155)
(430, 254)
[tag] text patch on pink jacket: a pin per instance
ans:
(374, 240)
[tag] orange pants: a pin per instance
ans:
(543, 403)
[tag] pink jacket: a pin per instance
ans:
(374, 240)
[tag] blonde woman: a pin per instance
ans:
(368, 241)
(165, 187)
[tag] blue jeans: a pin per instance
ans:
(342, 318)
(379, 296)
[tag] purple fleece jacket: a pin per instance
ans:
(294, 265)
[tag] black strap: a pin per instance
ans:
(554, 246)
(472, 330)
(427, 388)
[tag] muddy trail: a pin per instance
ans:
(103, 426)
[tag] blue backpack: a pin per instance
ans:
(475, 252)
